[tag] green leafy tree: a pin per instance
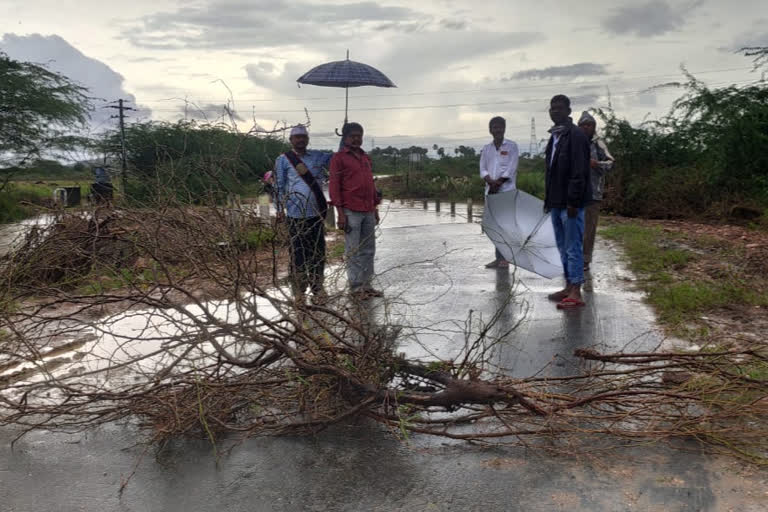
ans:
(39, 111)
(465, 151)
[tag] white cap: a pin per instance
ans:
(299, 129)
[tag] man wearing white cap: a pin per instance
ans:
(299, 199)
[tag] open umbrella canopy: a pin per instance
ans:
(521, 231)
(345, 73)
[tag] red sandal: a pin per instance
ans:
(569, 303)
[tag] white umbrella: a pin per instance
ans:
(516, 223)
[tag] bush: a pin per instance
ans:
(707, 154)
(193, 162)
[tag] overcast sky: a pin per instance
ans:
(456, 63)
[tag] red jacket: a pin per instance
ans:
(351, 181)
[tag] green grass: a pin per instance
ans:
(531, 182)
(336, 250)
(257, 238)
(652, 254)
(645, 255)
(11, 209)
(678, 302)
(19, 198)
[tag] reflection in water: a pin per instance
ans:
(504, 303)
(544, 343)
(578, 328)
(509, 307)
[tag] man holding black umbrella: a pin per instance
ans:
(299, 198)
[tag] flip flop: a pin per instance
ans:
(569, 303)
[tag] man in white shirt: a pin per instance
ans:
(498, 167)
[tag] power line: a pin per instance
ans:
(450, 105)
(465, 91)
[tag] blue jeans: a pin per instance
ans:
(569, 235)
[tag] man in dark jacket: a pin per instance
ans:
(568, 189)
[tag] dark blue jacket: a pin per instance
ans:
(568, 176)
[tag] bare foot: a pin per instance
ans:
(575, 293)
(558, 296)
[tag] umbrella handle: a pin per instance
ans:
(346, 105)
(342, 126)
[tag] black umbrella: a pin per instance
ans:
(345, 73)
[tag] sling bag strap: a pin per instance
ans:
(310, 180)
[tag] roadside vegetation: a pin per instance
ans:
(708, 284)
(705, 159)
(450, 178)
(192, 161)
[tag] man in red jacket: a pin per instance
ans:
(354, 195)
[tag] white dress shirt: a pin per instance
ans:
(500, 163)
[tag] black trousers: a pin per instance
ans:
(307, 253)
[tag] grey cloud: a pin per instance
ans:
(399, 27)
(240, 24)
(653, 18)
(139, 60)
(754, 39)
(584, 101)
(263, 67)
(453, 24)
(416, 55)
(411, 59)
(572, 71)
(283, 81)
(58, 55)
(359, 11)
(646, 99)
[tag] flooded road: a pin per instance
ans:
(12, 234)
(435, 263)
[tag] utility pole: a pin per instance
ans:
(121, 108)
(123, 162)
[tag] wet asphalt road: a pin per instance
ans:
(436, 263)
